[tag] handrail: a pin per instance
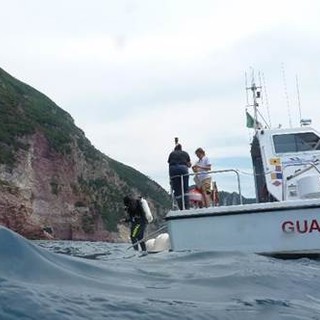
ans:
(312, 165)
(207, 172)
(296, 174)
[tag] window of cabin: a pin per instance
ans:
(296, 142)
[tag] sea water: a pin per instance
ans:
(95, 280)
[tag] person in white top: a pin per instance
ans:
(202, 177)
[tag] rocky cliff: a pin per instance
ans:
(53, 181)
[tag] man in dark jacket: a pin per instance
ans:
(137, 219)
(179, 162)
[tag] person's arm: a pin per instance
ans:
(195, 167)
(188, 160)
(170, 158)
(204, 167)
(128, 215)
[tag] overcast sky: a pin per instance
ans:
(134, 74)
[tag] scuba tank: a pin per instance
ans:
(146, 210)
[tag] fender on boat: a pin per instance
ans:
(158, 244)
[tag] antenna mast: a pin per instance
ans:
(256, 94)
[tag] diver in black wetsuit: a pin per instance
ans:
(137, 219)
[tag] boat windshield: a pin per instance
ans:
(296, 142)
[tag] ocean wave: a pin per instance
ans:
(81, 280)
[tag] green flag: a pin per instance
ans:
(250, 120)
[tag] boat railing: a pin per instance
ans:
(312, 165)
(211, 172)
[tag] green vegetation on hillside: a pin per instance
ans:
(23, 110)
(105, 198)
(140, 182)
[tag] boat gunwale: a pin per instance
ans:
(243, 209)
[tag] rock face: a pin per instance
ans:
(52, 180)
(43, 190)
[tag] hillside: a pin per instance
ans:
(52, 177)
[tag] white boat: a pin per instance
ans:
(284, 222)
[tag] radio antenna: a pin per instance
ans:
(266, 98)
(286, 94)
(298, 94)
(246, 80)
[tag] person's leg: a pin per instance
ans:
(140, 235)
(176, 184)
(206, 199)
(182, 183)
(215, 194)
(133, 235)
(206, 192)
(186, 190)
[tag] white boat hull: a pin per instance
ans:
(278, 228)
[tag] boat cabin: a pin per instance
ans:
(285, 164)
